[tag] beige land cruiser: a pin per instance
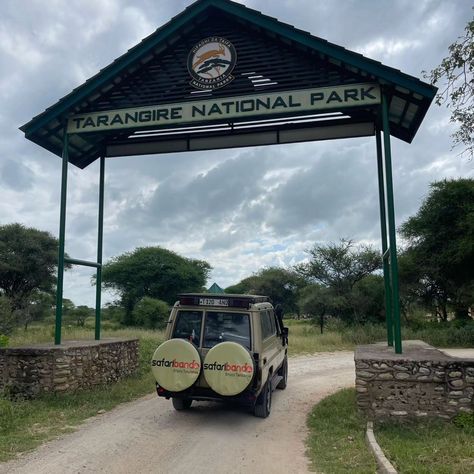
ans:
(222, 347)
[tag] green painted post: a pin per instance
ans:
(383, 225)
(391, 227)
(100, 235)
(62, 234)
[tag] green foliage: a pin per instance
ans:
(113, 312)
(340, 268)
(151, 313)
(154, 272)
(4, 340)
(28, 259)
(317, 301)
(455, 74)
(279, 284)
(6, 315)
(368, 299)
(79, 314)
(441, 246)
(465, 420)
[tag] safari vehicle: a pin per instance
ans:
(222, 347)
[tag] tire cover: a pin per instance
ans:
(228, 368)
(176, 365)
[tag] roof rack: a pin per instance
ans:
(221, 300)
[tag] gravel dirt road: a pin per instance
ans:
(149, 436)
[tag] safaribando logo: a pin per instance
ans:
(233, 368)
(175, 364)
(211, 62)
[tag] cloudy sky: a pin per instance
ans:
(241, 210)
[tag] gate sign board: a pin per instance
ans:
(221, 75)
(290, 102)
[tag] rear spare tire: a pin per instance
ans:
(176, 365)
(228, 368)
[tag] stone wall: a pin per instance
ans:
(26, 372)
(421, 382)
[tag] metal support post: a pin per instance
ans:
(391, 227)
(100, 235)
(62, 234)
(385, 250)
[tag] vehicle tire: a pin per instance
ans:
(263, 406)
(181, 403)
(284, 373)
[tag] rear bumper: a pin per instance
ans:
(247, 397)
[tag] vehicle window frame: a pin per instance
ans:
(220, 310)
(267, 316)
(177, 319)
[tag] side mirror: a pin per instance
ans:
(284, 335)
(285, 331)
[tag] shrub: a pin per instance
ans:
(3, 340)
(151, 313)
(464, 420)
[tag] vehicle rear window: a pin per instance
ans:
(188, 326)
(223, 326)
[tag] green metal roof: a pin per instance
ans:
(409, 98)
(215, 288)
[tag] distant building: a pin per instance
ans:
(215, 288)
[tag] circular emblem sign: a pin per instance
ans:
(228, 368)
(176, 365)
(211, 63)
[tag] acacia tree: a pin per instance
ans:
(154, 272)
(28, 260)
(279, 284)
(441, 243)
(455, 75)
(340, 268)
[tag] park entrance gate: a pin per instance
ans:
(221, 75)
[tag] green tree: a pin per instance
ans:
(28, 260)
(151, 313)
(368, 299)
(441, 242)
(455, 75)
(279, 284)
(339, 267)
(154, 272)
(7, 321)
(40, 305)
(317, 301)
(79, 314)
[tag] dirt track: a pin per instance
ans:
(150, 436)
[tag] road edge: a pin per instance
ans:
(383, 464)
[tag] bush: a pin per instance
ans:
(464, 420)
(3, 340)
(151, 313)
(6, 315)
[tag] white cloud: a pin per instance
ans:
(240, 210)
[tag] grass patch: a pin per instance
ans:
(430, 446)
(305, 338)
(336, 443)
(26, 424)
